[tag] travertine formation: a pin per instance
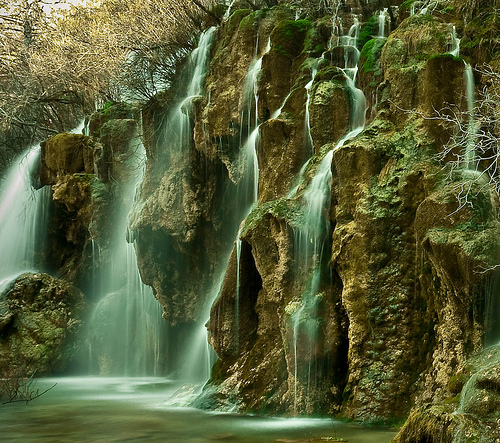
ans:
(386, 313)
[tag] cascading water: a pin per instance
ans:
(127, 333)
(23, 215)
(472, 126)
(250, 164)
(179, 128)
(250, 135)
(381, 23)
(311, 240)
(469, 154)
(195, 358)
(351, 52)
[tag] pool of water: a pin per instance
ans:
(153, 409)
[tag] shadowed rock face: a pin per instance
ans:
(40, 318)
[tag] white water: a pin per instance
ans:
(24, 214)
(311, 239)
(127, 333)
(381, 23)
(278, 111)
(308, 136)
(237, 297)
(351, 51)
(179, 127)
(250, 179)
(469, 152)
(472, 125)
(455, 43)
(250, 133)
(195, 360)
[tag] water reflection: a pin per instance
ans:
(154, 409)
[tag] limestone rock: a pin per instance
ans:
(65, 154)
(40, 318)
(329, 108)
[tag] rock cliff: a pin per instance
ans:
(399, 299)
(365, 305)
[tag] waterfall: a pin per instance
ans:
(469, 152)
(381, 23)
(312, 238)
(127, 332)
(351, 51)
(455, 43)
(250, 180)
(194, 361)
(472, 125)
(250, 133)
(308, 137)
(23, 216)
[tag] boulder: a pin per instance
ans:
(40, 318)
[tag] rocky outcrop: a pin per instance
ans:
(387, 307)
(470, 416)
(40, 318)
(401, 308)
(87, 175)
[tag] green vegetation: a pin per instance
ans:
(446, 55)
(283, 209)
(368, 31)
(370, 55)
(330, 73)
(251, 21)
(288, 36)
(406, 5)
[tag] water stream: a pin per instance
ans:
(127, 333)
(310, 241)
(23, 216)
(249, 141)
(469, 152)
(381, 23)
(24, 213)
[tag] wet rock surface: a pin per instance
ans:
(40, 318)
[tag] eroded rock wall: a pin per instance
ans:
(402, 305)
(390, 309)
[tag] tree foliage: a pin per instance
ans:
(473, 149)
(56, 67)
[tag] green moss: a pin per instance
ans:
(330, 73)
(483, 31)
(312, 42)
(448, 10)
(446, 55)
(219, 10)
(406, 5)
(283, 209)
(288, 36)
(106, 108)
(235, 19)
(251, 21)
(368, 31)
(370, 55)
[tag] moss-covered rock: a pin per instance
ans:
(329, 107)
(66, 154)
(40, 318)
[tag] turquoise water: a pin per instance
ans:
(152, 409)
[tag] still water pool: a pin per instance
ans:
(153, 410)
